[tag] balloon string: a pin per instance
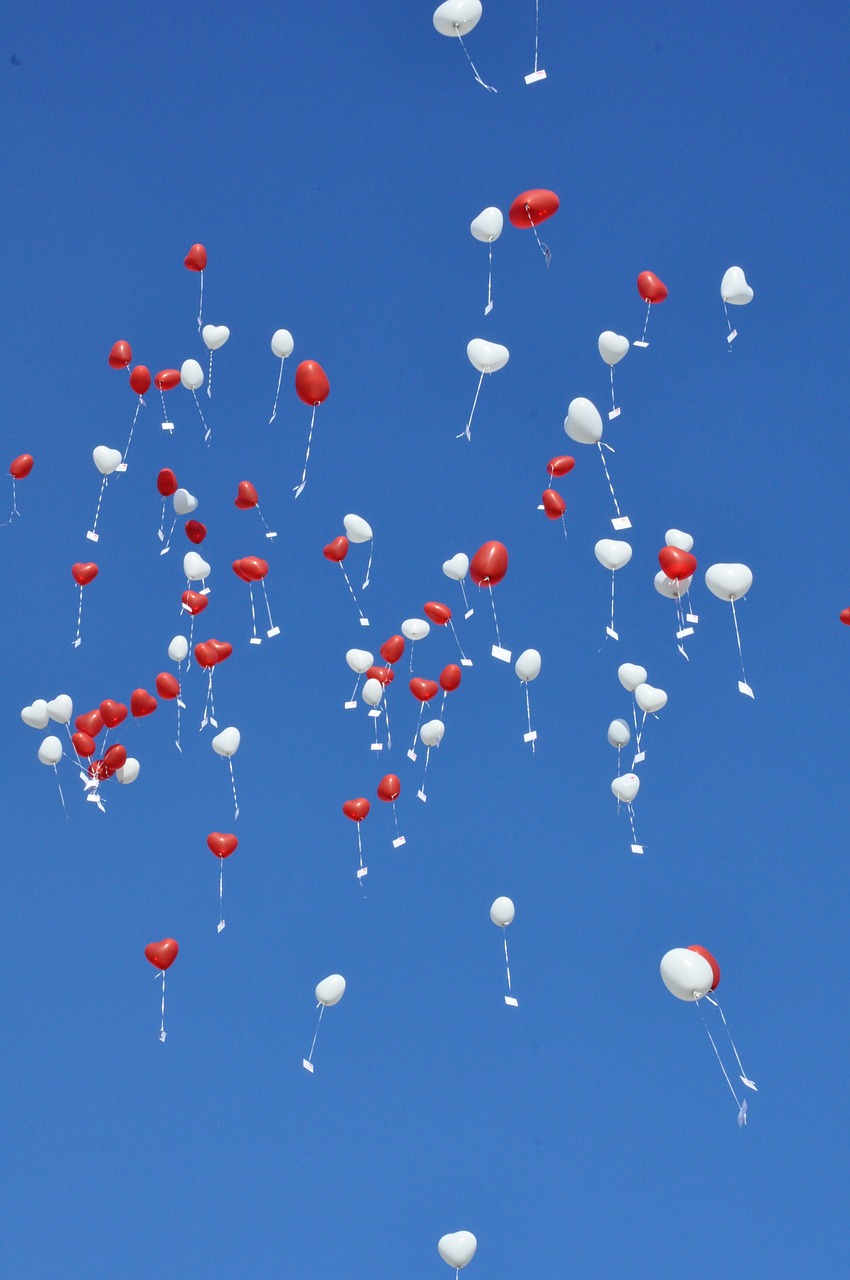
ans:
(375, 723)
(528, 709)
(61, 796)
(544, 248)
(718, 1057)
(467, 431)
(209, 702)
(316, 1032)
(613, 401)
(613, 628)
(738, 638)
(268, 606)
(608, 477)
(425, 770)
(716, 1004)
(191, 639)
(209, 377)
(221, 894)
(78, 638)
(207, 430)
(350, 588)
(395, 816)
(443, 704)
(162, 1011)
(277, 393)
(164, 410)
(418, 723)
(15, 511)
(495, 619)
(680, 618)
(369, 565)
(263, 518)
(387, 718)
(233, 788)
(536, 30)
(640, 730)
(489, 306)
(463, 593)
(646, 321)
(507, 962)
(103, 485)
(564, 524)
(254, 635)
(167, 546)
(201, 304)
(359, 841)
(631, 811)
(299, 488)
(130, 440)
(354, 691)
(488, 87)
(177, 739)
(634, 718)
(457, 638)
(412, 647)
(728, 321)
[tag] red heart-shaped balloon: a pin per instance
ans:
(205, 654)
(423, 690)
(489, 564)
(98, 769)
(450, 677)
(142, 703)
(167, 378)
(439, 613)
(84, 744)
(140, 379)
(167, 685)
(677, 564)
(553, 504)
(357, 809)
(254, 568)
(194, 602)
(120, 355)
(222, 647)
(311, 382)
(239, 570)
(383, 675)
(715, 967)
(91, 722)
(114, 758)
(195, 531)
(21, 466)
(336, 550)
(196, 258)
(392, 649)
(84, 573)
(221, 843)
(162, 954)
(531, 207)
(112, 712)
(166, 482)
(246, 496)
(650, 288)
(844, 615)
(389, 788)
(560, 465)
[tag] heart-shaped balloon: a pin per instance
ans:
(372, 692)
(167, 379)
(246, 496)
(215, 335)
(554, 505)
(195, 568)
(166, 482)
(734, 288)
(222, 647)
(36, 715)
(844, 615)
(358, 529)
(392, 649)
(677, 538)
(191, 375)
(612, 553)
(389, 788)
(140, 379)
(21, 466)
(415, 628)
(142, 703)
(90, 722)
(423, 690)
(686, 974)
(50, 751)
(626, 787)
(254, 568)
(676, 563)
(650, 699)
(531, 207)
(630, 675)
(456, 17)
(489, 564)
(331, 989)
(112, 712)
(205, 655)
(184, 502)
(450, 678)
(669, 587)
(61, 709)
(560, 465)
(487, 357)
(128, 772)
(457, 568)
(283, 344)
(357, 809)
(438, 613)
(583, 422)
(650, 288)
(84, 744)
(122, 353)
(502, 912)
(728, 581)
(359, 660)
(311, 383)
(227, 742)
(195, 531)
(619, 733)
(84, 573)
(612, 347)
(194, 603)
(487, 227)
(162, 954)
(114, 758)
(196, 258)
(167, 685)
(457, 1248)
(384, 675)
(715, 967)
(221, 843)
(336, 550)
(431, 733)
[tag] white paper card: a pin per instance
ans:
(219, 926)
(504, 655)
(270, 534)
(160, 535)
(612, 633)
(75, 644)
(168, 426)
(621, 522)
(162, 1036)
(469, 613)
(745, 689)
(639, 758)
(530, 737)
(692, 617)
(637, 848)
(204, 591)
(350, 706)
(613, 413)
(181, 704)
(640, 344)
(540, 507)
(730, 337)
(751, 1084)
(488, 308)
(122, 466)
(466, 662)
(375, 712)
(364, 622)
(686, 631)
(422, 796)
(308, 1066)
(273, 631)
(92, 536)
(742, 1115)
(398, 842)
(411, 755)
(255, 640)
(534, 76)
(512, 1001)
(165, 551)
(362, 871)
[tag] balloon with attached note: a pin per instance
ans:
(486, 357)
(328, 993)
(214, 336)
(612, 554)
(612, 347)
(359, 531)
(583, 422)
(313, 388)
(487, 227)
(192, 378)
(456, 18)
(653, 291)
(625, 788)
(226, 744)
(529, 209)
(731, 582)
(735, 292)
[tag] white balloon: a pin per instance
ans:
(502, 912)
(227, 742)
(415, 628)
(357, 529)
(456, 17)
(183, 502)
(36, 715)
(487, 357)
(215, 336)
(191, 375)
(650, 699)
(282, 343)
(488, 225)
(106, 459)
(630, 675)
(178, 649)
(527, 665)
(612, 553)
(686, 974)
(456, 568)
(360, 660)
(583, 422)
(626, 787)
(458, 1248)
(734, 288)
(331, 990)
(129, 771)
(61, 709)
(619, 733)
(672, 588)
(195, 567)
(432, 732)
(676, 538)
(372, 692)
(728, 581)
(612, 347)
(50, 751)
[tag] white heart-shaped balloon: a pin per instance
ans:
(619, 733)
(527, 665)
(626, 787)
(583, 422)
(215, 336)
(677, 538)
(457, 1248)
(456, 568)
(686, 974)
(195, 567)
(456, 17)
(631, 675)
(282, 343)
(650, 699)
(487, 357)
(331, 989)
(612, 347)
(227, 742)
(432, 732)
(106, 459)
(178, 649)
(50, 751)
(36, 715)
(129, 771)
(183, 502)
(612, 553)
(488, 225)
(373, 691)
(61, 709)
(672, 588)
(734, 288)
(415, 628)
(359, 660)
(191, 375)
(502, 912)
(357, 529)
(728, 581)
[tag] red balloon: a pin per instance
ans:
(167, 685)
(392, 649)
(166, 482)
(114, 758)
(650, 288)
(450, 677)
(221, 843)
(254, 568)
(194, 602)
(167, 378)
(423, 690)
(205, 654)
(195, 531)
(98, 769)
(553, 504)
(246, 496)
(84, 573)
(140, 379)
(389, 788)
(91, 723)
(533, 207)
(715, 967)
(439, 613)
(21, 466)
(222, 647)
(112, 713)
(120, 355)
(560, 465)
(844, 615)
(311, 382)
(356, 810)
(489, 564)
(385, 675)
(142, 703)
(336, 550)
(239, 570)
(84, 744)
(677, 564)
(196, 258)
(162, 954)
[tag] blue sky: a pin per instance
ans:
(331, 162)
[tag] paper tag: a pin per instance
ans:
(466, 662)
(488, 308)
(181, 704)
(640, 344)
(162, 1036)
(214, 723)
(730, 337)
(745, 689)
(219, 926)
(540, 506)
(270, 534)
(742, 1115)
(411, 755)
(165, 551)
(512, 1001)
(637, 848)
(692, 617)
(308, 1066)
(686, 631)
(504, 655)
(350, 706)
(92, 536)
(160, 535)
(204, 591)
(469, 613)
(364, 622)
(93, 797)
(75, 644)
(273, 631)
(621, 522)
(168, 426)
(255, 640)
(530, 737)
(122, 466)
(751, 1084)
(398, 842)
(609, 631)
(377, 746)
(547, 254)
(422, 796)
(362, 871)
(375, 712)
(613, 413)
(639, 758)
(534, 76)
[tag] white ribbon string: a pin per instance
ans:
(728, 321)
(646, 321)
(220, 894)
(528, 710)
(277, 393)
(164, 410)
(467, 431)
(321, 1009)
(421, 791)
(209, 377)
(15, 511)
(607, 475)
(536, 30)
(299, 488)
(613, 628)
(489, 306)
(201, 304)
(495, 619)
(544, 248)
(353, 697)
(233, 787)
(613, 401)
(130, 439)
(468, 611)
(463, 656)
(351, 589)
(180, 704)
(268, 606)
(507, 962)
(416, 730)
(209, 702)
(104, 482)
(360, 842)
(267, 526)
(162, 1013)
(61, 796)
(167, 546)
(207, 430)
(738, 638)
(484, 83)
(412, 647)
(387, 717)
(719, 1059)
(369, 565)
(77, 641)
(744, 1077)
(395, 817)
(631, 811)
(254, 637)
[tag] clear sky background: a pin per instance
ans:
(331, 159)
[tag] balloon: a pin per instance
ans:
(676, 538)
(456, 568)
(195, 260)
(331, 990)
(456, 17)
(670, 588)
(84, 573)
(194, 603)
(163, 954)
(440, 614)
(36, 716)
(140, 379)
(612, 347)
(359, 660)
(650, 699)
(357, 809)
(91, 723)
(61, 709)
(358, 529)
(222, 647)
(179, 647)
(487, 227)
(533, 207)
(527, 665)
(311, 383)
(385, 675)
(191, 375)
(129, 771)
(246, 496)
(554, 505)
(167, 685)
(625, 788)
(184, 502)
(195, 568)
(583, 422)
(205, 654)
(619, 733)
(676, 563)
(630, 676)
(166, 379)
(121, 353)
(166, 482)
(239, 570)
(487, 357)
(142, 703)
(50, 751)
(221, 843)
(458, 1248)
(715, 967)
(612, 553)
(389, 788)
(489, 564)
(650, 288)
(392, 649)
(450, 677)
(227, 742)
(560, 465)
(423, 690)
(336, 550)
(432, 732)
(215, 336)
(254, 568)
(728, 581)
(502, 912)
(195, 531)
(734, 288)
(282, 343)
(415, 628)
(686, 974)
(372, 693)
(112, 713)
(115, 758)
(844, 615)
(106, 459)
(21, 466)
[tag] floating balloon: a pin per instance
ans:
(731, 582)
(50, 751)
(527, 668)
(196, 260)
(90, 722)
(282, 346)
(613, 555)
(457, 568)
(311, 386)
(214, 336)
(359, 530)
(650, 699)
(457, 1248)
(167, 685)
(178, 649)
(560, 465)
(140, 380)
(167, 379)
(192, 378)
(529, 209)
(432, 732)
(195, 532)
(487, 228)
(195, 567)
(653, 291)
(735, 292)
(487, 357)
(676, 563)
(328, 993)
(456, 18)
(357, 810)
(502, 913)
(336, 551)
(686, 974)
(162, 956)
(83, 574)
(227, 742)
(672, 588)
(619, 734)
(60, 709)
(194, 603)
(583, 422)
(121, 354)
(612, 348)
(128, 772)
(487, 568)
(112, 713)
(36, 715)
(142, 703)
(553, 504)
